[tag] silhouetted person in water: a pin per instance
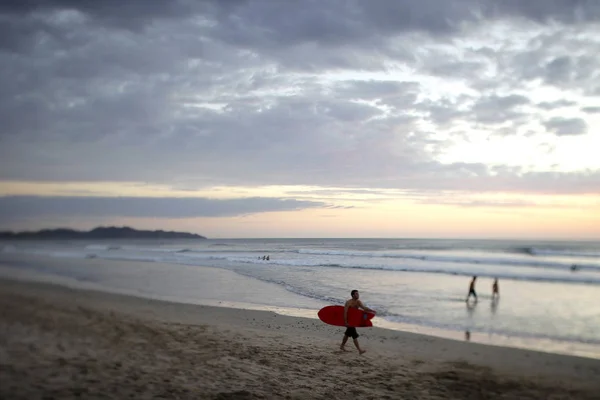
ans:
(495, 290)
(472, 290)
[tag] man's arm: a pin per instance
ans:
(367, 309)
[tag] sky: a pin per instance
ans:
(337, 118)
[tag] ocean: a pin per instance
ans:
(549, 290)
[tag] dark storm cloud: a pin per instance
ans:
(12, 207)
(336, 22)
(569, 11)
(132, 13)
(341, 21)
(566, 126)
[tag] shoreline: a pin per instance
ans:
(252, 289)
(186, 313)
(64, 342)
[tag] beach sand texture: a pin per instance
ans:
(62, 343)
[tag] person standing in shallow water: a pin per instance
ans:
(472, 290)
(354, 302)
(495, 290)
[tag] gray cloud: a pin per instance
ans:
(14, 207)
(566, 126)
(341, 21)
(338, 22)
(552, 105)
(223, 92)
(559, 69)
(131, 14)
(385, 91)
(499, 109)
(444, 112)
(591, 110)
(566, 59)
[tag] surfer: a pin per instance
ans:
(472, 289)
(354, 302)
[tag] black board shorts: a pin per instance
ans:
(351, 331)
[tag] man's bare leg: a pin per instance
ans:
(344, 343)
(360, 351)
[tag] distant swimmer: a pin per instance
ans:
(574, 267)
(495, 290)
(354, 302)
(472, 290)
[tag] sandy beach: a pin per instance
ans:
(62, 343)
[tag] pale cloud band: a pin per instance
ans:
(17, 207)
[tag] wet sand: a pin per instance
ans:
(62, 343)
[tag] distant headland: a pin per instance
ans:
(99, 233)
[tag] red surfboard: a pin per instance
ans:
(334, 315)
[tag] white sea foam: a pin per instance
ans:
(570, 253)
(547, 271)
(476, 259)
(102, 247)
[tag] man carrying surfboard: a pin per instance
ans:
(354, 302)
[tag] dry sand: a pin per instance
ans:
(63, 343)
